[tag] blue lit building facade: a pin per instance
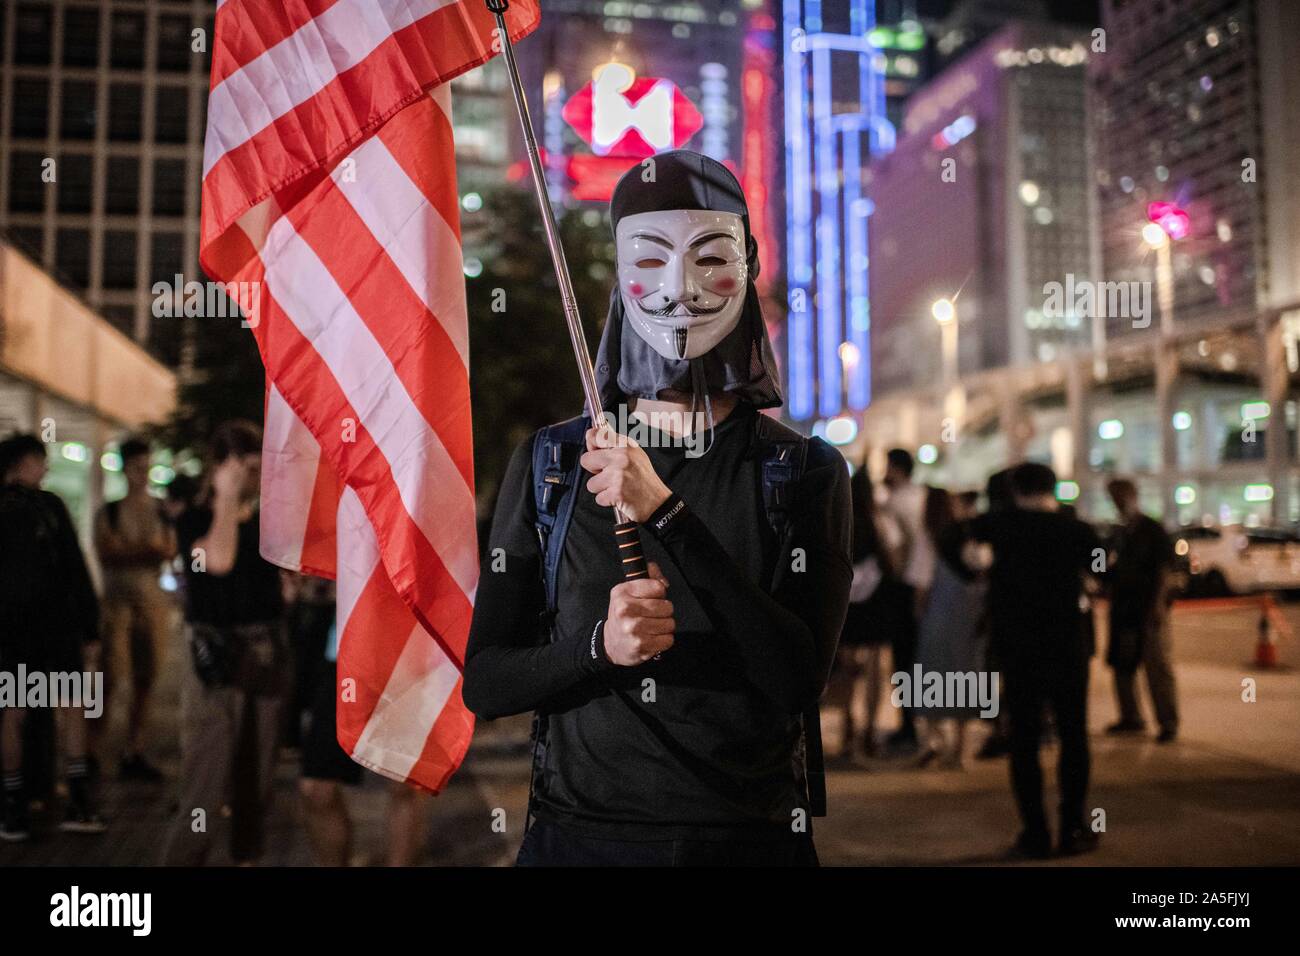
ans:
(835, 75)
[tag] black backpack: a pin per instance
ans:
(556, 450)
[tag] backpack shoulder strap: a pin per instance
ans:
(783, 454)
(556, 450)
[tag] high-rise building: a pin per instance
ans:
(984, 201)
(1192, 113)
(102, 109)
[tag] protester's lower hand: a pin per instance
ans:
(622, 475)
(640, 622)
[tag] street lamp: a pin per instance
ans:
(945, 313)
(1166, 223)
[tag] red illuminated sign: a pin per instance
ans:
(624, 118)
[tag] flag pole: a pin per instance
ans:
(626, 531)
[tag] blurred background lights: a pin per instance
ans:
(1259, 492)
(927, 454)
(841, 431)
(1110, 429)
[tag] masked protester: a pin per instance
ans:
(671, 710)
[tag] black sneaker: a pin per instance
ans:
(1167, 736)
(1126, 727)
(136, 767)
(1078, 840)
(1031, 846)
(901, 743)
(15, 827)
(996, 746)
(80, 816)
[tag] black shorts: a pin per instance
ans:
(39, 649)
(322, 757)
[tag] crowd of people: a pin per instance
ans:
(1010, 591)
(939, 586)
(260, 672)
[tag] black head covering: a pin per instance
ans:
(743, 362)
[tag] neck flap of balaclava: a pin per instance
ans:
(742, 363)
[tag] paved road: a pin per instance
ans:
(1227, 793)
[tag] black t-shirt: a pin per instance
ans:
(1039, 561)
(701, 742)
(250, 593)
(1143, 554)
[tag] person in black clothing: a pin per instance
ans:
(49, 619)
(1139, 615)
(672, 703)
(1040, 557)
(879, 606)
(232, 696)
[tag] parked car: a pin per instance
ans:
(1237, 560)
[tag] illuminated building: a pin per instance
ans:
(74, 380)
(1199, 132)
(1183, 367)
(834, 123)
(985, 199)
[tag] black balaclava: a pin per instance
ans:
(742, 363)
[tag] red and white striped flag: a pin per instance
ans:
(329, 196)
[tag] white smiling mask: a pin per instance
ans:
(682, 276)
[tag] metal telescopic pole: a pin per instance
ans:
(625, 530)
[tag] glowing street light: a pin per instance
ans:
(943, 310)
(1154, 236)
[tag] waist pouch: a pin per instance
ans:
(250, 657)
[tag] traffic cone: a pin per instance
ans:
(1266, 647)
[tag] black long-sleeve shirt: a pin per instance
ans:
(701, 741)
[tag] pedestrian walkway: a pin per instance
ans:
(1226, 793)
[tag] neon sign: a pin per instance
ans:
(624, 118)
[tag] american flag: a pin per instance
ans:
(329, 196)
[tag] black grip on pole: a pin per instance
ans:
(628, 536)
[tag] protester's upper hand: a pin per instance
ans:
(640, 622)
(622, 475)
